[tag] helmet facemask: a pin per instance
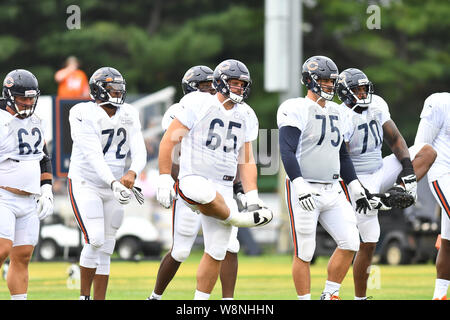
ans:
(112, 93)
(225, 89)
(354, 88)
(365, 90)
(326, 92)
(198, 78)
(205, 86)
(23, 110)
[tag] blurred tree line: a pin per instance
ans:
(153, 43)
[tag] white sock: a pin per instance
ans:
(440, 288)
(360, 298)
(22, 296)
(304, 297)
(155, 296)
(332, 287)
(84, 298)
(227, 298)
(201, 295)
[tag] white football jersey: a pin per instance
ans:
(365, 137)
(101, 143)
(170, 114)
(21, 149)
(322, 131)
(436, 111)
(215, 136)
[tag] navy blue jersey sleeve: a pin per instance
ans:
(289, 138)
(348, 173)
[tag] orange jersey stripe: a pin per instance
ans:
(441, 197)
(77, 212)
(344, 187)
(291, 214)
(190, 201)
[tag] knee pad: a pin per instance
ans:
(306, 248)
(96, 239)
(180, 254)
(306, 226)
(196, 190)
(369, 230)
(89, 256)
(233, 244)
(104, 263)
(351, 243)
(216, 252)
(108, 246)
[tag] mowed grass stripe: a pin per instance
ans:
(265, 277)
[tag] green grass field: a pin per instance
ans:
(265, 277)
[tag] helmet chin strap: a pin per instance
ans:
(107, 104)
(320, 97)
(225, 101)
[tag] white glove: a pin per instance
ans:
(253, 201)
(45, 202)
(377, 202)
(165, 192)
(359, 196)
(121, 193)
(305, 194)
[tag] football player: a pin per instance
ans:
(434, 128)
(371, 124)
(216, 132)
(103, 132)
(186, 223)
(25, 177)
(314, 157)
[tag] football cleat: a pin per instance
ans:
(441, 298)
(329, 296)
(261, 215)
(254, 216)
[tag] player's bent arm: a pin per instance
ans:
(395, 140)
(45, 200)
(46, 168)
(171, 137)
(359, 194)
(138, 158)
(248, 172)
(400, 149)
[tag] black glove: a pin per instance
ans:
(359, 195)
(363, 204)
(239, 196)
(396, 197)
